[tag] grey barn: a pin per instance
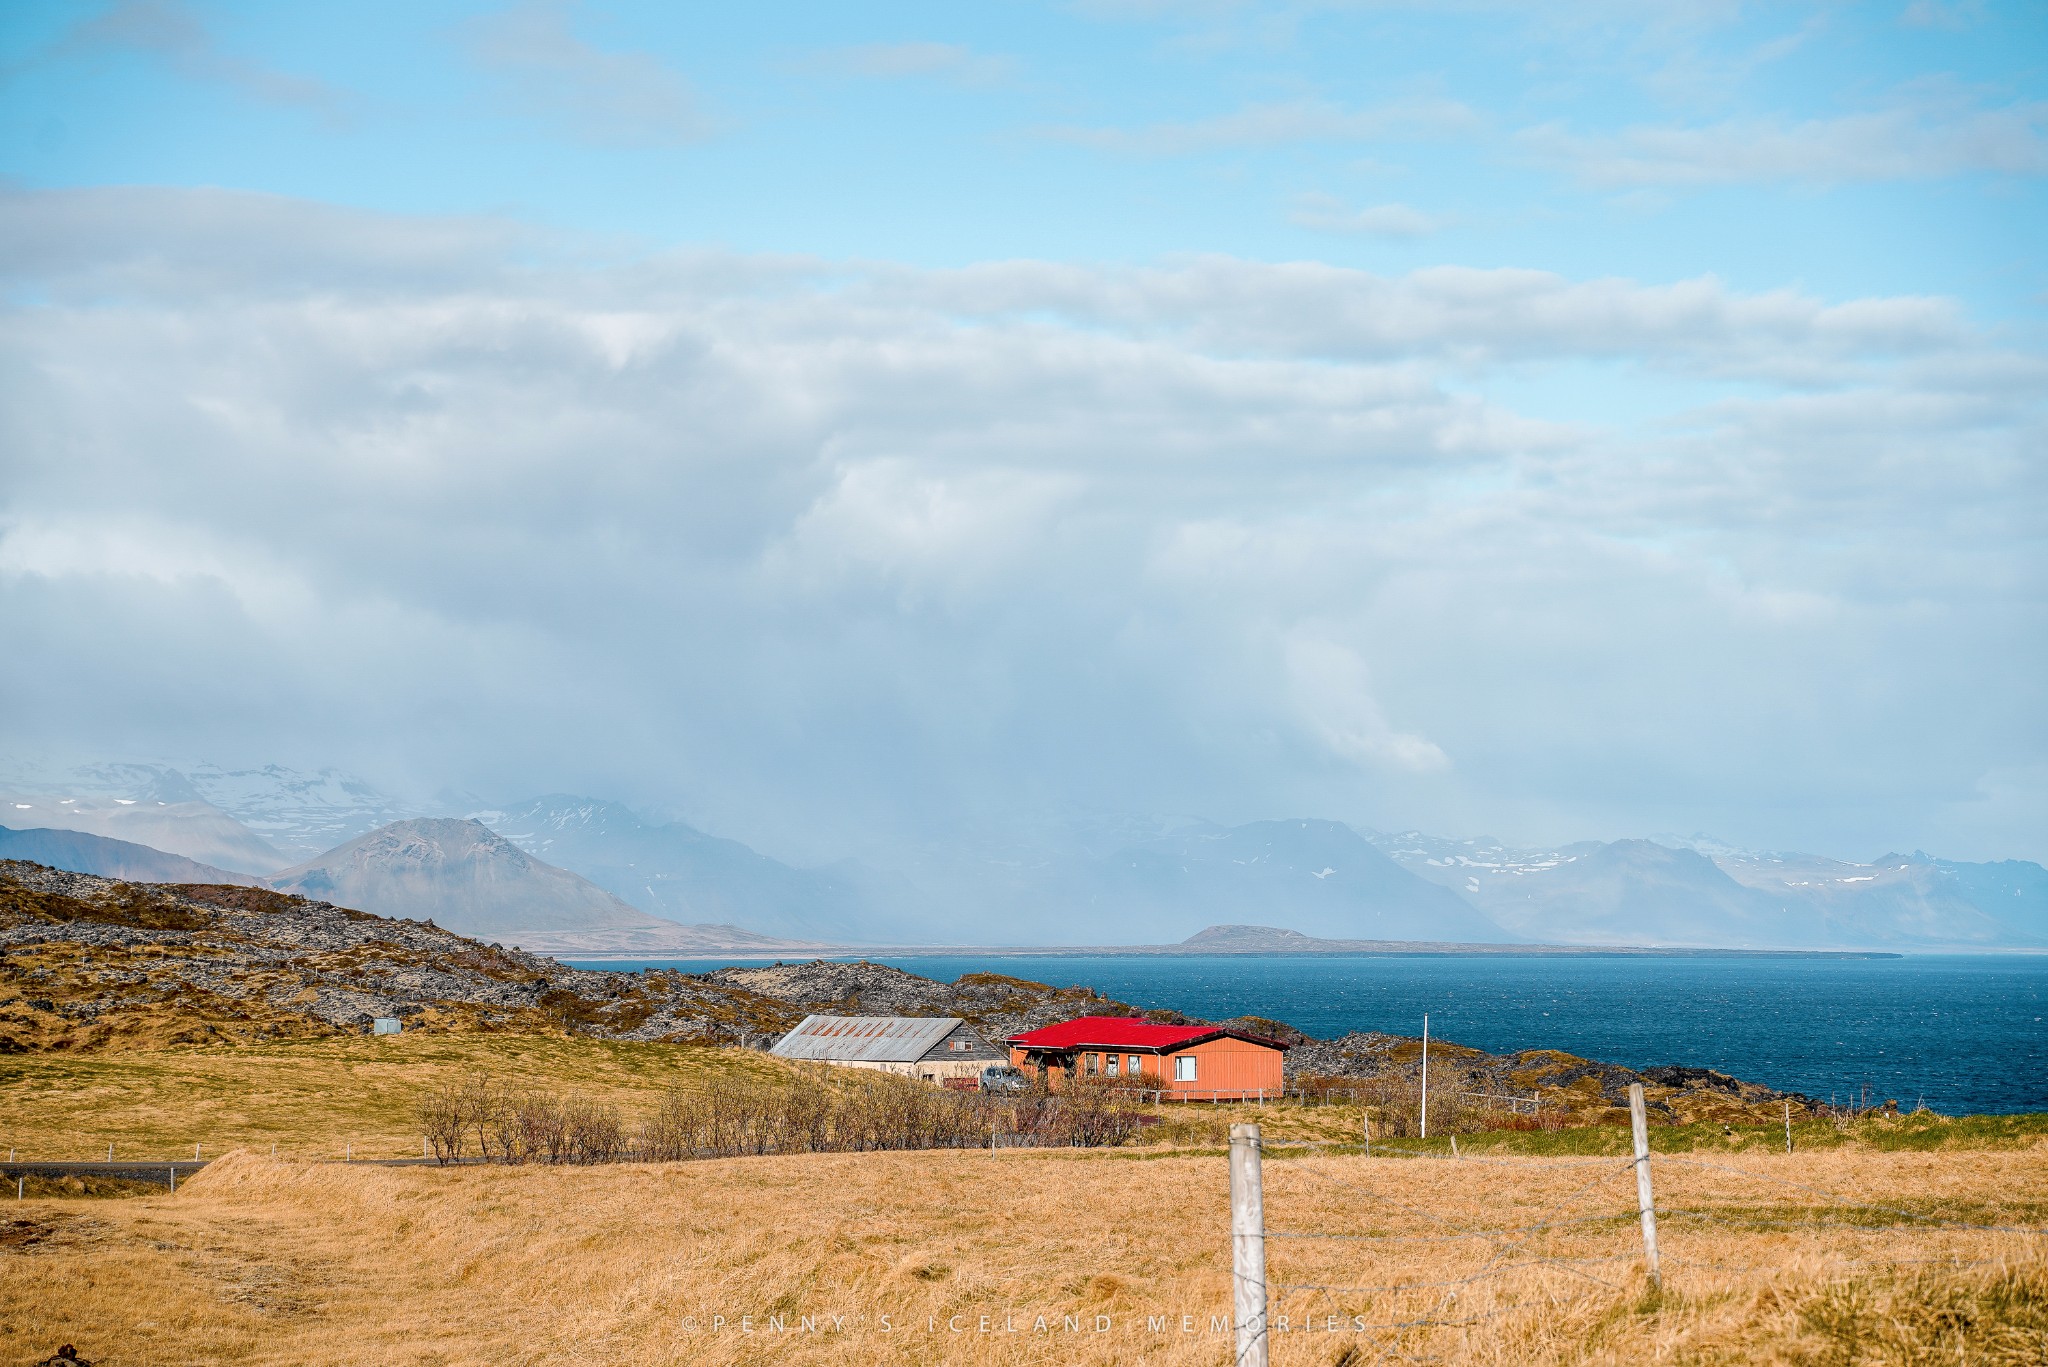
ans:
(941, 1049)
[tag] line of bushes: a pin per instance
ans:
(733, 1114)
(495, 1122)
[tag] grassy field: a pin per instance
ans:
(311, 1098)
(931, 1258)
(316, 1098)
(1124, 1252)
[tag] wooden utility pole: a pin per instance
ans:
(1425, 1075)
(1645, 1203)
(1248, 1245)
(1788, 1125)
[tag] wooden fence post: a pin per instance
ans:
(1425, 1075)
(1248, 1245)
(1788, 1125)
(1645, 1203)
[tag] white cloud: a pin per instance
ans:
(896, 61)
(1328, 214)
(1332, 690)
(606, 98)
(1269, 125)
(173, 33)
(1948, 14)
(1912, 141)
(836, 551)
(1454, 313)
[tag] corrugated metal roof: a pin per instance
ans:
(1122, 1032)
(866, 1039)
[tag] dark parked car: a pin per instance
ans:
(1001, 1077)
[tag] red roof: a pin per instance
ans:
(1125, 1032)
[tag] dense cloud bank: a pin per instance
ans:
(834, 555)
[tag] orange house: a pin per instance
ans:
(1192, 1062)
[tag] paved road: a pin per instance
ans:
(158, 1171)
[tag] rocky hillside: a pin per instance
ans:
(995, 1004)
(91, 963)
(1583, 1090)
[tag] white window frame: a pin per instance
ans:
(1183, 1067)
(1133, 1065)
(1112, 1065)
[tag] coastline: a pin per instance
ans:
(1321, 949)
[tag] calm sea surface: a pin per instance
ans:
(1965, 1033)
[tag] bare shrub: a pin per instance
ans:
(809, 1111)
(591, 1132)
(445, 1122)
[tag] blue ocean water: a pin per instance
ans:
(1965, 1034)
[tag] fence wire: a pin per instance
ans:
(1508, 1250)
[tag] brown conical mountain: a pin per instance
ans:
(466, 878)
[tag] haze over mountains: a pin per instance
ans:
(464, 876)
(677, 871)
(574, 875)
(82, 852)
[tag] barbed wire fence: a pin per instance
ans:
(1604, 1237)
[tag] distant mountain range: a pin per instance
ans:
(582, 875)
(676, 871)
(182, 825)
(1637, 892)
(1320, 878)
(97, 854)
(465, 877)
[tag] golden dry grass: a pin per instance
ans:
(312, 1097)
(266, 1262)
(315, 1097)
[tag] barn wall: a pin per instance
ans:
(904, 1069)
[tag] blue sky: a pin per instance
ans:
(847, 423)
(1845, 149)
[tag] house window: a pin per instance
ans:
(1094, 1064)
(957, 1044)
(1184, 1068)
(1133, 1065)
(1110, 1066)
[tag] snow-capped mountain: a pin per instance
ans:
(283, 814)
(1474, 868)
(1702, 891)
